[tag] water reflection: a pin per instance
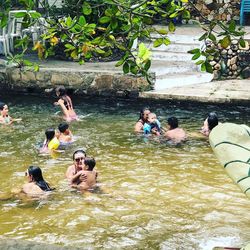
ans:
(154, 195)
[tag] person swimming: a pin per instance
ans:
(142, 119)
(36, 184)
(210, 122)
(174, 133)
(65, 135)
(4, 115)
(66, 105)
(51, 142)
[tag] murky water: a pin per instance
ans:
(155, 196)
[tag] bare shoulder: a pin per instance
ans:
(32, 189)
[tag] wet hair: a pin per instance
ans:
(37, 176)
(173, 122)
(212, 120)
(63, 127)
(90, 162)
(2, 104)
(141, 116)
(61, 90)
(50, 133)
(79, 151)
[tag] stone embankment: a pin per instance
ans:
(90, 79)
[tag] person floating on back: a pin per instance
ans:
(174, 133)
(152, 126)
(4, 115)
(66, 104)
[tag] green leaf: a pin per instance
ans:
(147, 65)
(203, 67)
(225, 42)
(119, 63)
(199, 62)
(4, 21)
(82, 20)
(173, 15)
(242, 43)
(196, 56)
(204, 36)
(232, 26)
(134, 70)
(69, 21)
(162, 31)
(166, 41)
(105, 19)
(20, 14)
(186, 14)
(194, 51)
(158, 42)
(36, 67)
(125, 68)
(209, 68)
(171, 27)
(27, 63)
(100, 51)
(35, 15)
(212, 37)
(114, 24)
(86, 9)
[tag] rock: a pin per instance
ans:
(212, 63)
(234, 67)
(217, 66)
(230, 52)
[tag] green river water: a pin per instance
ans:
(154, 195)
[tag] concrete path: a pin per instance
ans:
(228, 91)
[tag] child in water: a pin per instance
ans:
(152, 126)
(65, 135)
(91, 175)
(4, 115)
(51, 142)
(66, 104)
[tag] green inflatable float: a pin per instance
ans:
(231, 145)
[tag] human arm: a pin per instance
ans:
(74, 177)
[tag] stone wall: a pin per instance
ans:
(88, 83)
(224, 10)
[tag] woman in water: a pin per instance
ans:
(142, 120)
(66, 104)
(4, 115)
(36, 184)
(210, 122)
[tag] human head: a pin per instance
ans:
(144, 114)
(151, 117)
(78, 158)
(35, 173)
(60, 91)
(89, 162)
(173, 122)
(212, 120)
(3, 108)
(63, 127)
(50, 133)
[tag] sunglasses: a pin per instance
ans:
(79, 159)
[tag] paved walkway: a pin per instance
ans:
(228, 91)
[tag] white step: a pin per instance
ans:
(174, 38)
(165, 67)
(172, 56)
(174, 47)
(173, 80)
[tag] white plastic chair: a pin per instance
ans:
(4, 41)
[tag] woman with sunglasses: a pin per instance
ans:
(36, 184)
(74, 172)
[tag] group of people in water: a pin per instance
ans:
(81, 174)
(149, 124)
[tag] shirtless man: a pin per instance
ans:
(174, 133)
(74, 173)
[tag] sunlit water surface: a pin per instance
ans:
(154, 195)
